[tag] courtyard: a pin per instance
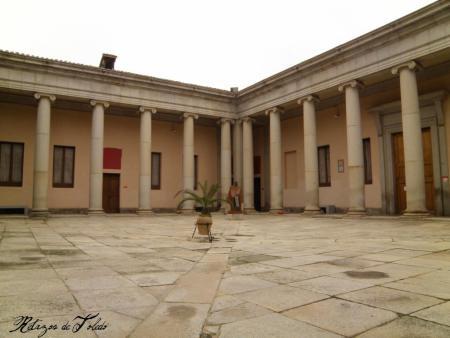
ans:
(262, 276)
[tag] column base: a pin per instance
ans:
(188, 212)
(311, 211)
(356, 212)
(276, 211)
(144, 212)
(249, 211)
(415, 213)
(95, 212)
(39, 213)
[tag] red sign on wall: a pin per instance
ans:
(112, 158)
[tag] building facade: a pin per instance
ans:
(362, 128)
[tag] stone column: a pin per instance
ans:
(412, 139)
(41, 155)
(145, 171)
(188, 157)
(96, 175)
(247, 162)
(237, 152)
(354, 148)
(276, 184)
(225, 158)
(310, 151)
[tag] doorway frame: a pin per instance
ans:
(388, 120)
(103, 180)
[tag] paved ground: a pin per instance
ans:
(263, 276)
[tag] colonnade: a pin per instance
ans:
(240, 148)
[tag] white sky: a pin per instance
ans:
(214, 43)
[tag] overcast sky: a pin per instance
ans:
(214, 43)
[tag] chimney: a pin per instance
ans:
(107, 61)
(234, 90)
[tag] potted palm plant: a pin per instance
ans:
(206, 200)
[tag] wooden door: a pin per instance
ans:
(428, 167)
(111, 193)
(399, 170)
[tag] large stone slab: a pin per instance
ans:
(37, 305)
(273, 325)
(284, 276)
(281, 298)
(198, 285)
(237, 312)
(154, 278)
(330, 285)
(98, 282)
(36, 286)
(384, 273)
(343, 317)
(389, 299)
(439, 314)
(434, 284)
(407, 327)
(113, 299)
(173, 320)
(237, 284)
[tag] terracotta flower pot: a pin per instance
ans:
(204, 223)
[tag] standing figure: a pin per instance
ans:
(235, 199)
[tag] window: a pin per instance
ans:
(63, 166)
(11, 164)
(290, 170)
(324, 166)
(156, 171)
(195, 172)
(367, 161)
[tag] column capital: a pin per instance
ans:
(247, 119)
(412, 65)
(274, 110)
(143, 109)
(225, 120)
(51, 97)
(353, 84)
(186, 115)
(103, 103)
(309, 98)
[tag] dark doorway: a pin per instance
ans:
(257, 193)
(257, 182)
(111, 193)
(399, 170)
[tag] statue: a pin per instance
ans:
(235, 199)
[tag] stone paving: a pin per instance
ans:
(263, 276)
